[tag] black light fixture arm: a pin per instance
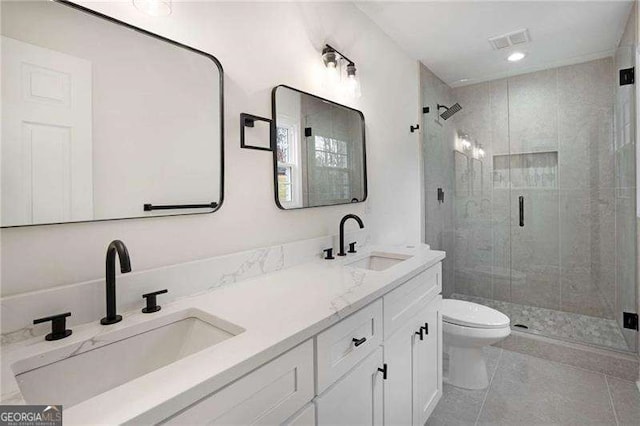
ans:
(350, 62)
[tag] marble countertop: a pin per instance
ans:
(278, 311)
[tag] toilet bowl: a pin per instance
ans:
(467, 328)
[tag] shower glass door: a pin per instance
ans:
(545, 200)
(572, 213)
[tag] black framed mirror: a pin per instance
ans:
(102, 120)
(319, 151)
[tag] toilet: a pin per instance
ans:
(467, 328)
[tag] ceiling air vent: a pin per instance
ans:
(510, 39)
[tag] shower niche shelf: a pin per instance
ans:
(536, 170)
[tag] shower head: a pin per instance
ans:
(449, 111)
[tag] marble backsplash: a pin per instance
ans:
(86, 300)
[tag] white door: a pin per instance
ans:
(427, 364)
(356, 399)
(46, 136)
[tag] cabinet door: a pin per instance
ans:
(427, 364)
(355, 399)
(398, 388)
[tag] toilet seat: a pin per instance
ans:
(473, 315)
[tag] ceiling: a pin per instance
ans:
(451, 37)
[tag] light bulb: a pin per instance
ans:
(466, 145)
(353, 83)
(333, 74)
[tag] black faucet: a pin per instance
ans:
(344, 219)
(116, 246)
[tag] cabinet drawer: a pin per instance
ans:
(268, 395)
(337, 352)
(405, 301)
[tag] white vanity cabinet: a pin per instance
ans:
(381, 365)
(414, 363)
(411, 354)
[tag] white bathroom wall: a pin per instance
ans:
(260, 45)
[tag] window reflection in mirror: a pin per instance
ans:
(319, 151)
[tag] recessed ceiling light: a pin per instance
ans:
(516, 56)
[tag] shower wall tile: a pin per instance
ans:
(576, 135)
(533, 105)
(499, 104)
(581, 295)
(603, 248)
(575, 228)
(589, 83)
(537, 285)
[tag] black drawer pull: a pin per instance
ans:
(421, 333)
(425, 327)
(358, 342)
(385, 371)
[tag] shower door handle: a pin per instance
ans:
(521, 203)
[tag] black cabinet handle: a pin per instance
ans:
(384, 370)
(425, 327)
(521, 203)
(358, 342)
(58, 326)
(152, 305)
(420, 333)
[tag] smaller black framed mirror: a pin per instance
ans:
(319, 151)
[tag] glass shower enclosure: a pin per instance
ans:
(539, 217)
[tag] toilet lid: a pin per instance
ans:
(470, 314)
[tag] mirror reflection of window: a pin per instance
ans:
(288, 155)
(331, 168)
(319, 151)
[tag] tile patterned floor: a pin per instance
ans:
(525, 390)
(564, 325)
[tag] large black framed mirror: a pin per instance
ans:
(319, 151)
(102, 120)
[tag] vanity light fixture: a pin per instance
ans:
(481, 152)
(465, 142)
(516, 56)
(331, 58)
(353, 83)
(154, 7)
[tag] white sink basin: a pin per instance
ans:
(112, 359)
(377, 261)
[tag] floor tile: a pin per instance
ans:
(530, 391)
(461, 406)
(626, 400)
